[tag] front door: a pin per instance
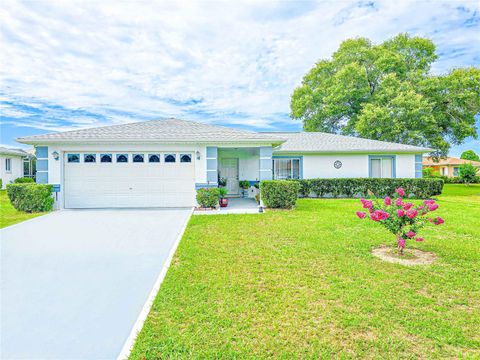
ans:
(229, 171)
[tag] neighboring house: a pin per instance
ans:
(161, 163)
(449, 166)
(14, 163)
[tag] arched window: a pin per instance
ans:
(122, 158)
(89, 158)
(169, 158)
(138, 158)
(185, 158)
(73, 158)
(106, 158)
(154, 158)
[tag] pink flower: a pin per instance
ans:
(361, 215)
(420, 207)
(367, 204)
(401, 243)
(399, 202)
(400, 191)
(379, 215)
(412, 213)
(429, 202)
(411, 234)
(400, 213)
(387, 201)
(438, 221)
(407, 206)
(432, 207)
(419, 239)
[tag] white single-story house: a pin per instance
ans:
(14, 163)
(161, 163)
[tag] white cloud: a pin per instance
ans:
(151, 59)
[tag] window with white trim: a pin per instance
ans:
(137, 158)
(73, 158)
(185, 158)
(8, 165)
(284, 169)
(381, 167)
(170, 158)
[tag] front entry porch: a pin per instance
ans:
(236, 205)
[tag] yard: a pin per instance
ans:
(8, 214)
(303, 284)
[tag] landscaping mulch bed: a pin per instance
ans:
(411, 257)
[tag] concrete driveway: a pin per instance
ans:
(74, 282)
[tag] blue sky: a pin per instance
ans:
(65, 66)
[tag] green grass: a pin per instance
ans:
(303, 284)
(8, 214)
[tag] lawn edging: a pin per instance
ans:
(137, 327)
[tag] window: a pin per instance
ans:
(122, 158)
(138, 158)
(8, 165)
(106, 158)
(170, 158)
(89, 158)
(27, 167)
(154, 158)
(455, 171)
(286, 169)
(381, 167)
(185, 158)
(73, 158)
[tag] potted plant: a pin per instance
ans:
(244, 185)
(223, 200)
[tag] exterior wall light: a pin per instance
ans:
(56, 155)
(197, 153)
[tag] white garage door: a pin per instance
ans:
(126, 179)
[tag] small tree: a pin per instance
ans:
(467, 173)
(404, 220)
(470, 155)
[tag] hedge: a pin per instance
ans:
(23, 180)
(281, 194)
(208, 197)
(359, 187)
(31, 197)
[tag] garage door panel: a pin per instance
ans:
(96, 185)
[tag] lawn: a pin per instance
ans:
(303, 284)
(8, 214)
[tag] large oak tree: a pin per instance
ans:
(387, 92)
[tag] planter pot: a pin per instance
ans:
(244, 193)
(223, 202)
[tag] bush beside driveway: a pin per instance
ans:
(303, 283)
(9, 215)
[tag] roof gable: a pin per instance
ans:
(168, 130)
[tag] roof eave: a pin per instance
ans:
(362, 151)
(31, 141)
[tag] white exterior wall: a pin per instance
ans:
(321, 166)
(353, 165)
(16, 169)
(405, 166)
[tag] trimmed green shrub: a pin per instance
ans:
(280, 194)
(1, 184)
(23, 180)
(359, 187)
(208, 197)
(458, 180)
(31, 197)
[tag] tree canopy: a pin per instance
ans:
(386, 92)
(470, 155)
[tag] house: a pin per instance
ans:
(161, 163)
(15, 163)
(449, 166)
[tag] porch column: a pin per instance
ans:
(265, 163)
(212, 165)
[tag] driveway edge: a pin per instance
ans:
(137, 327)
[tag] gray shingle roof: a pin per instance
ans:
(13, 152)
(319, 142)
(168, 130)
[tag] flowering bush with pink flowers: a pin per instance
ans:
(403, 219)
